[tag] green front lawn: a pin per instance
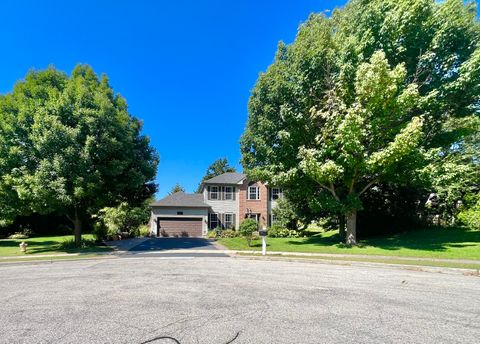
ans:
(47, 245)
(453, 243)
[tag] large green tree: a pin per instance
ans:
(69, 145)
(359, 95)
(366, 142)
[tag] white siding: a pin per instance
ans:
(272, 204)
(224, 206)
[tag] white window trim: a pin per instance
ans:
(228, 224)
(257, 193)
(210, 220)
(279, 194)
(214, 192)
(228, 193)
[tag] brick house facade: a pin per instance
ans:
(226, 200)
(254, 208)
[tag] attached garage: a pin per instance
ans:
(179, 215)
(180, 226)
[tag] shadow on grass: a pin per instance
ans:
(429, 239)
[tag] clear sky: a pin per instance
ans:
(186, 68)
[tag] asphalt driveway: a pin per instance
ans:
(173, 247)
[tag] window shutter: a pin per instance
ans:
(233, 193)
(222, 192)
(234, 224)
(208, 192)
(270, 193)
(221, 218)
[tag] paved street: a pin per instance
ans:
(234, 300)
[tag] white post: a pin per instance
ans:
(264, 242)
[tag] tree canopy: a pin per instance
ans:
(218, 167)
(69, 145)
(371, 95)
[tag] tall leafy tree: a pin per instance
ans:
(69, 145)
(217, 168)
(366, 142)
(356, 97)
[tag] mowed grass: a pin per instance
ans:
(47, 245)
(451, 243)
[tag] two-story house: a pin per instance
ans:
(226, 200)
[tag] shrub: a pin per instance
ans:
(18, 235)
(215, 233)
(111, 221)
(274, 231)
(228, 233)
(100, 231)
(70, 244)
(277, 231)
(143, 231)
(247, 228)
(24, 233)
(471, 216)
(212, 234)
(287, 215)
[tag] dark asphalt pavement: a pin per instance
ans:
(234, 300)
(189, 247)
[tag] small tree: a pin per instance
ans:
(247, 228)
(218, 167)
(177, 188)
(286, 214)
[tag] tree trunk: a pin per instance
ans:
(352, 228)
(341, 226)
(77, 229)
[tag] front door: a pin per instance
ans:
(254, 216)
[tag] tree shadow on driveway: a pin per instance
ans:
(162, 244)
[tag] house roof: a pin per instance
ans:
(226, 178)
(181, 199)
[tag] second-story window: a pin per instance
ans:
(253, 193)
(213, 192)
(228, 193)
(276, 193)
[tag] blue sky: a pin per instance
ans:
(186, 68)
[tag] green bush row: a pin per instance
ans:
(281, 232)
